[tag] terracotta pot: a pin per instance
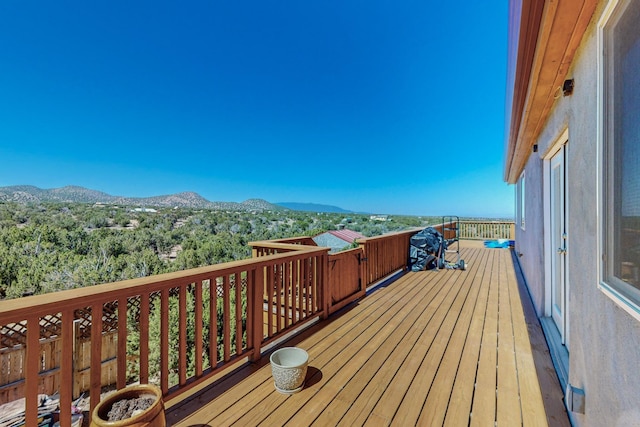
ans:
(153, 416)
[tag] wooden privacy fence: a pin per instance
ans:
(13, 351)
(179, 329)
(12, 360)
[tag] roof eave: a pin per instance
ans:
(543, 39)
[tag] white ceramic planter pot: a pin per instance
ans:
(289, 369)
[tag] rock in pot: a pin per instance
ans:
(152, 416)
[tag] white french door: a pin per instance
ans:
(558, 241)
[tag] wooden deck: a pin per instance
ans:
(432, 348)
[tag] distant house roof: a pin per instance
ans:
(337, 239)
(347, 235)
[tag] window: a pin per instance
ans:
(520, 199)
(620, 38)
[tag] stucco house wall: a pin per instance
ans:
(529, 245)
(603, 339)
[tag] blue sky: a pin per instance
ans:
(378, 106)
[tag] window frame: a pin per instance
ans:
(520, 200)
(624, 295)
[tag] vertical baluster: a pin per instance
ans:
(327, 287)
(144, 337)
(164, 340)
(300, 288)
(278, 297)
(198, 327)
(213, 322)
(316, 283)
(268, 293)
(122, 343)
(305, 287)
(182, 351)
(96, 354)
(319, 261)
(238, 281)
(308, 285)
(227, 318)
(288, 294)
(313, 276)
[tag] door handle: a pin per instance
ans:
(562, 251)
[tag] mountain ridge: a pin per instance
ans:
(75, 194)
(26, 194)
(312, 207)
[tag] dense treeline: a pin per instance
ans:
(51, 247)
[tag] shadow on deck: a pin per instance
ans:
(442, 347)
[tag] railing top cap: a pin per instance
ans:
(39, 304)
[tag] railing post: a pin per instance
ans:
(512, 231)
(66, 368)
(324, 284)
(96, 355)
(255, 305)
(32, 370)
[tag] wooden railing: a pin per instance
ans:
(204, 320)
(344, 280)
(192, 324)
(294, 292)
(388, 253)
(385, 254)
(271, 247)
(489, 230)
(345, 284)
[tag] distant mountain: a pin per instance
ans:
(312, 207)
(74, 194)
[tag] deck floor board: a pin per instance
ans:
(459, 406)
(444, 347)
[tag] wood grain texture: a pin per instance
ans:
(442, 347)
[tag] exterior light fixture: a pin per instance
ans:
(567, 87)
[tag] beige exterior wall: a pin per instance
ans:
(529, 244)
(603, 339)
